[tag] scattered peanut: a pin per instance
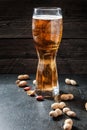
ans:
(17, 82)
(27, 88)
(56, 98)
(24, 76)
(40, 98)
(56, 105)
(59, 111)
(31, 92)
(62, 105)
(66, 109)
(73, 82)
(20, 77)
(71, 113)
(22, 84)
(68, 112)
(69, 121)
(70, 82)
(34, 82)
(55, 113)
(67, 81)
(67, 97)
(86, 106)
(68, 124)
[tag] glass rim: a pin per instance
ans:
(47, 8)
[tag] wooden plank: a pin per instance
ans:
(17, 52)
(16, 18)
(15, 9)
(24, 48)
(73, 48)
(23, 29)
(19, 65)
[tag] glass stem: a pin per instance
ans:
(46, 76)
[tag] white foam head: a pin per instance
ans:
(47, 17)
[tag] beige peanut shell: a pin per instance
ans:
(71, 113)
(67, 126)
(23, 77)
(66, 109)
(31, 92)
(70, 82)
(22, 83)
(73, 82)
(56, 105)
(68, 123)
(66, 97)
(34, 82)
(55, 113)
(17, 82)
(67, 81)
(59, 111)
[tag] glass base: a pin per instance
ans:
(48, 94)
(45, 94)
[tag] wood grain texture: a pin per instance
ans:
(24, 48)
(23, 29)
(17, 50)
(20, 65)
(22, 9)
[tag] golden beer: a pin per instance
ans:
(47, 33)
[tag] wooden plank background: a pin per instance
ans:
(17, 52)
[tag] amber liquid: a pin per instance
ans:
(47, 33)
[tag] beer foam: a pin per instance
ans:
(47, 17)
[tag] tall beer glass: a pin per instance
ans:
(47, 32)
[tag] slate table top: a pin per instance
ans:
(18, 111)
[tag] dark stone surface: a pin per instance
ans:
(21, 112)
